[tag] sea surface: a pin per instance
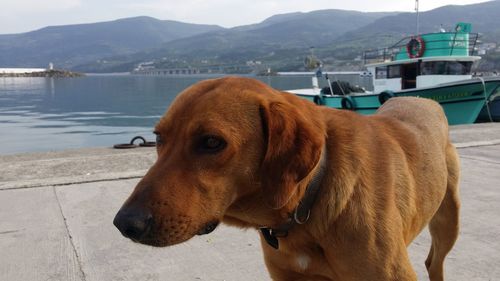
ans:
(49, 114)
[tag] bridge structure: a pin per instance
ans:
(167, 71)
(208, 69)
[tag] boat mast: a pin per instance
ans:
(416, 9)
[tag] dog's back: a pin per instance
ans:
(420, 114)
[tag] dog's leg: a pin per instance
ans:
(444, 226)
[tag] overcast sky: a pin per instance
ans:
(26, 15)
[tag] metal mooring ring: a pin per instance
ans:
(124, 145)
(137, 138)
(148, 144)
(144, 142)
(133, 145)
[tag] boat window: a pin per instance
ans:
(459, 68)
(446, 67)
(393, 71)
(381, 72)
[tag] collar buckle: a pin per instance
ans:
(299, 218)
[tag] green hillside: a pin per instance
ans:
(280, 42)
(70, 45)
(270, 40)
(390, 29)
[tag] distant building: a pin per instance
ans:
(489, 46)
(253, 62)
(485, 48)
(145, 66)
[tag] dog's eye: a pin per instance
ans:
(211, 144)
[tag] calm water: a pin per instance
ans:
(46, 114)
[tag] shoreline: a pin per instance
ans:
(95, 164)
(468, 135)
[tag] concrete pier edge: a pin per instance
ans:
(56, 212)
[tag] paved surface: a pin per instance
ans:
(56, 212)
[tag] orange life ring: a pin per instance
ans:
(415, 47)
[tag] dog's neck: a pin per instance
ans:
(277, 223)
(302, 211)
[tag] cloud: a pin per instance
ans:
(25, 15)
(37, 6)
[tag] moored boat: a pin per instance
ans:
(434, 65)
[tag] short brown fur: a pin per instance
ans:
(387, 177)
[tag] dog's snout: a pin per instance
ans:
(133, 223)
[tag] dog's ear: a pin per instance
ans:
(294, 144)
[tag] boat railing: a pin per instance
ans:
(389, 53)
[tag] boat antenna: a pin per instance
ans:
(416, 9)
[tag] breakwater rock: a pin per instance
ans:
(47, 73)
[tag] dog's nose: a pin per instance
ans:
(133, 223)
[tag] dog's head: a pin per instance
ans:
(221, 140)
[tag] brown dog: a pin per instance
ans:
(338, 194)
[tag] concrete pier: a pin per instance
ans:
(56, 212)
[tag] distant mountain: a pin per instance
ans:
(265, 40)
(483, 16)
(388, 30)
(335, 21)
(70, 45)
(280, 42)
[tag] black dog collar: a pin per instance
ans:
(302, 213)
